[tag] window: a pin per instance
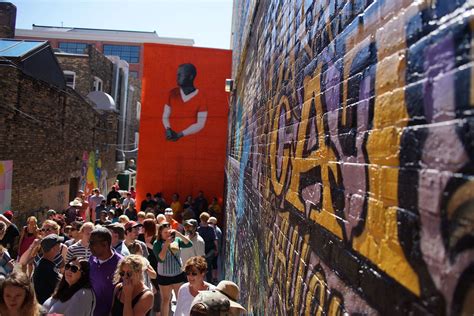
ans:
(139, 110)
(73, 48)
(98, 84)
(128, 53)
(70, 77)
(133, 74)
(137, 137)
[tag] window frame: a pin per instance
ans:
(73, 73)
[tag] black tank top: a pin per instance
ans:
(117, 308)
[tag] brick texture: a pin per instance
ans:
(52, 136)
(350, 173)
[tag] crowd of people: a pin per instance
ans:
(104, 256)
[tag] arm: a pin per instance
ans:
(5, 220)
(196, 127)
(30, 253)
(151, 272)
(183, 238)
(64, 250)
(166, 116)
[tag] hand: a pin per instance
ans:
(171, 135)
(127, 289)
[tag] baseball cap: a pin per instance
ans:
(191, 222)
(132, 224)
(50, 241)
(51, 212)
(8, 214)
(116, 227)
(168, 211)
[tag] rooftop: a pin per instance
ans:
(91, 34)
(18, 48)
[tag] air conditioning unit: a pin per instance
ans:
(120, 166)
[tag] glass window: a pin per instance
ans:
(98, 83)
(70, 77)
(128, 53)
(73, 48)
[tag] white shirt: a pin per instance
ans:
(185, 299)
(196, 250)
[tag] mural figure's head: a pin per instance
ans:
(186, 74)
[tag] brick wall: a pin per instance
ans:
(52, 136)
(350, 157)
(86, 67)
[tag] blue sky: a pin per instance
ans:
(208, 22)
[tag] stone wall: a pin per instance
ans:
(52, 136)
(351, 157)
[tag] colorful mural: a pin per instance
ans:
(6, 174)
(350, 160)
(92, 174)
(183, 121)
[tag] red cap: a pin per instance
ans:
(8, 214)
(132, 224)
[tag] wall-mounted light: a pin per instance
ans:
(229, 85)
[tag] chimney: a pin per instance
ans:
(7, 20)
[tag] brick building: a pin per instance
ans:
(57, 140)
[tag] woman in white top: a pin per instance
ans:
(195, 269)
(73, 295)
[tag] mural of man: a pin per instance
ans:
(186, 111)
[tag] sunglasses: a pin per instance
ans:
(191, 273)
(47, 229)
(71, 267)
(167, 225)
(122, 274)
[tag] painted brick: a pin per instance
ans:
(350, 157)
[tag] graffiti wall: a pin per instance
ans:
(183, 123)
(351, 158)
(92, 173)
(6, 174)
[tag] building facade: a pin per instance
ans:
(128, 45)
(53, 141)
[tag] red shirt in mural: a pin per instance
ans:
(184, 112)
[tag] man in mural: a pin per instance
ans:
(186, 111)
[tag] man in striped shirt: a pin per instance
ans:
(81, 248)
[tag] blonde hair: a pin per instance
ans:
(51, 224)
(150, 215)
(87, 224)
(123, 219)
(141, 215)
(204, 216)
(160, 218)
(137, 263)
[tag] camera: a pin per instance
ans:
(173, 234)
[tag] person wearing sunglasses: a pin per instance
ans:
(195, 269)
(73, 296)
(33, 254)
(167, 249)
(131, 295)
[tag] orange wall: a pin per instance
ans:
(194, 162)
